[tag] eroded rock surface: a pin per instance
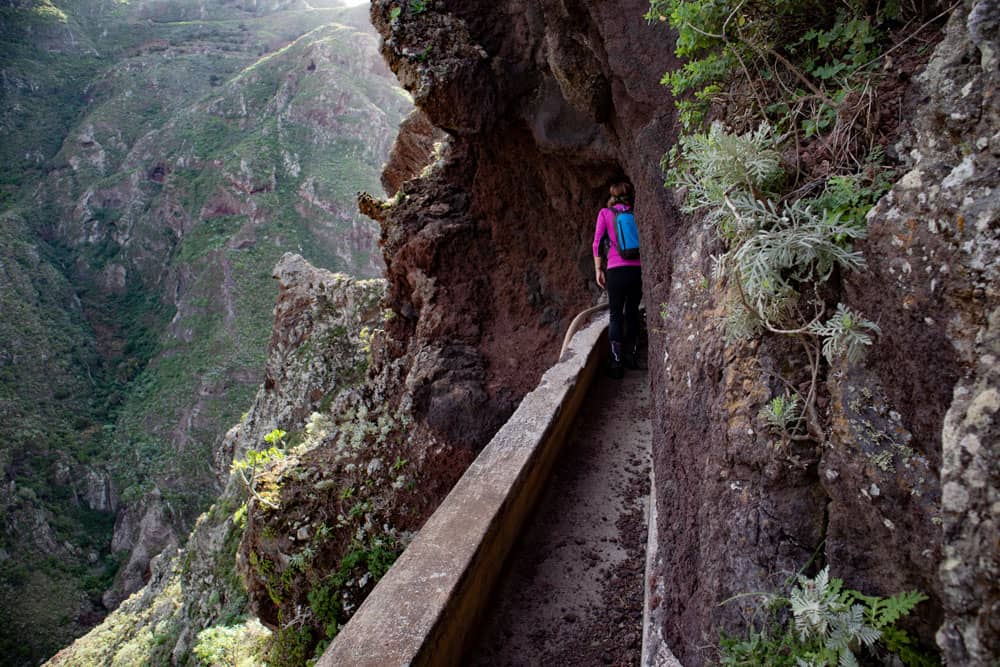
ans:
(487, 256)
(939, 234)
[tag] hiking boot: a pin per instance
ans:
(630, 358)
(615, 368)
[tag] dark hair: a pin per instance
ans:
(621, 193)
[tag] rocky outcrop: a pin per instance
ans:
(315, 352)
(515, 191)
(939, 234)
(362, 476)
(971, 566)
(409, 156)
(142, 531)
(487, 256)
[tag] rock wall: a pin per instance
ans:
(943, 222)
(739, 513)
(487, 256)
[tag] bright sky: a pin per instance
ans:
(352, 3)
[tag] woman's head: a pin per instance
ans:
(621, 193)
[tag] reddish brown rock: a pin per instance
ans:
(488, 257)
(412, 152)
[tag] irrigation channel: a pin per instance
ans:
(571, 592)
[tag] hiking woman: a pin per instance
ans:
(623, 280)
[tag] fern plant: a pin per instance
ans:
(828, 622)
(829, 627)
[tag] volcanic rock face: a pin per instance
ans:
(939, 230)
(488, 256)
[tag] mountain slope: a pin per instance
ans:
(159, 158)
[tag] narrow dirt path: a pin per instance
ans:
(572, 591)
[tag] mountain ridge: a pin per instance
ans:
(193, 154)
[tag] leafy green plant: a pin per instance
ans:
(725, 173)
(792, 61)
(250, 467)
(829, 627)
(360, 568)
(849, 197)
(790, 247)
(775, 247)
(290, 646)
(846, 333)
(413, 7)
(240, 645)
(781, 250)
(782, 413)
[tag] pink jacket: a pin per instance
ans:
(606, 225)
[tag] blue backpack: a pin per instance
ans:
(627, 234)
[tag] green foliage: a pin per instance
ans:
(413, 8)
(846, 333)
(365, 337)
(829, 627)
(883, 613)
(370, 483)
(251, 466)
(726, 173)
(775, 248)
(752, 52)
(790, 247)
(291, 646)
(241, 645)
(782, 413)
(838, 51)
(275, 437)
(361, 567)
(849, 197)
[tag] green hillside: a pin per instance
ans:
(156, 163)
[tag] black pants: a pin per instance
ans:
(624, 293)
